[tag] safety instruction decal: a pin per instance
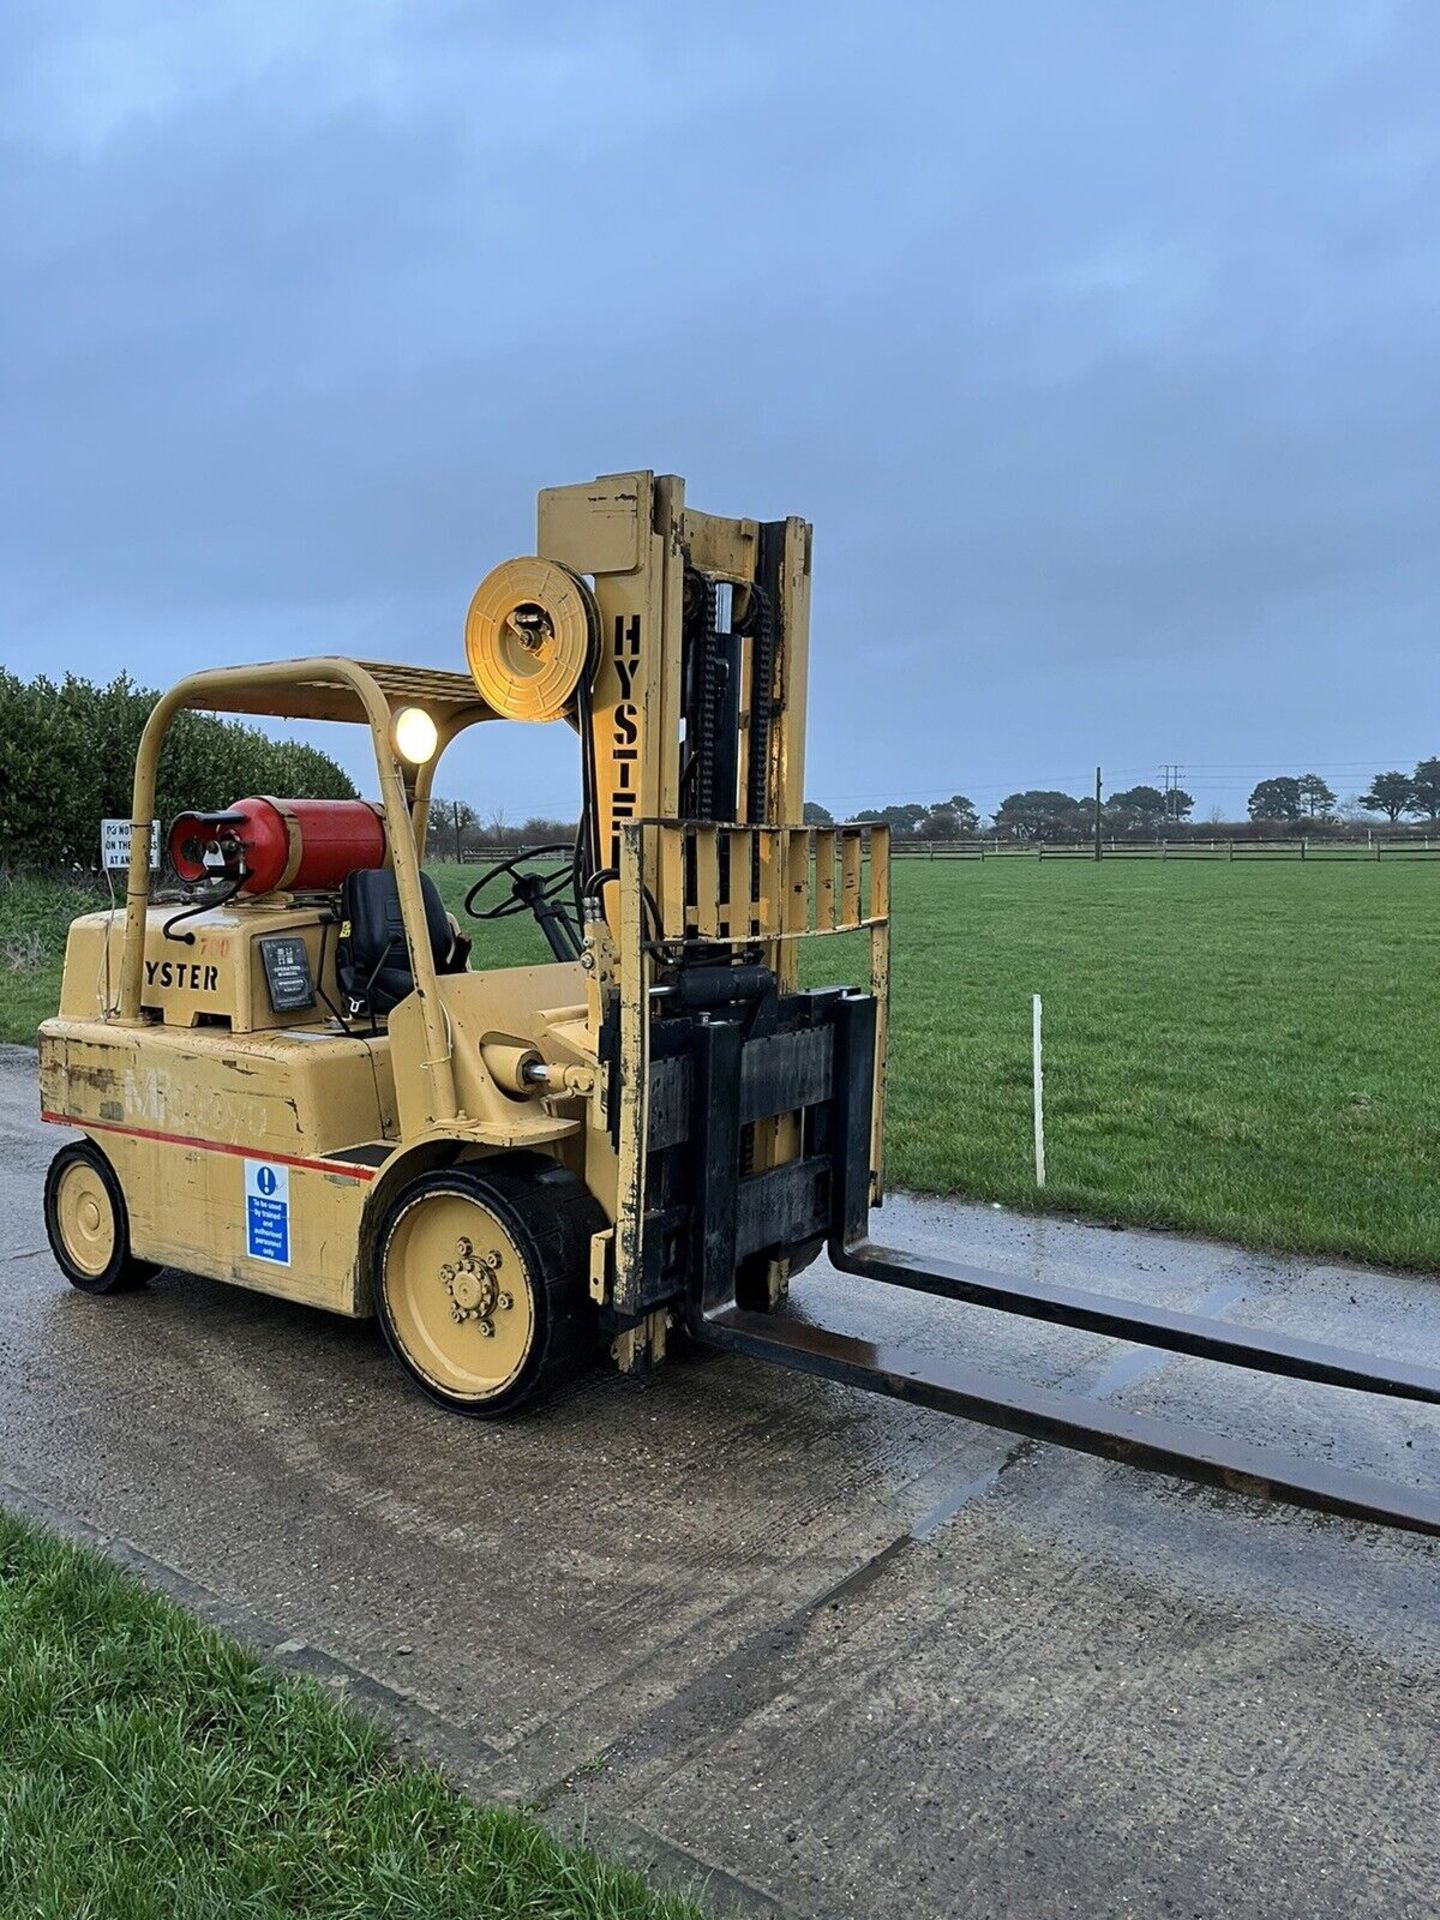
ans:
(115, 843)
(267, 1212)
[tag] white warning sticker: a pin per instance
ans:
(115, 843)
(267, 1212)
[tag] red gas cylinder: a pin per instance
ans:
(300, 845)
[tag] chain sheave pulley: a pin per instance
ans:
(532, 638)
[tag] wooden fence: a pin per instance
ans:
(491, 856)
(1376, 847)
(1414, 847)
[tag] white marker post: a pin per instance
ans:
(1039, 1087)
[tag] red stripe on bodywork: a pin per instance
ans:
(213, 1146)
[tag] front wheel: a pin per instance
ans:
(88, 1223)
(480, 1282)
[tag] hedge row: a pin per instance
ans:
(67, 760)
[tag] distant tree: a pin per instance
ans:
(1275, 799)
(950, 819)
(1142, 804)
(814, 815)
(900, 819)
(905, 819)
(1316, 798)
(454, 828)
(541, 831)
(449, 812)
(499, 830)
(1038, 811)
(941, 823)
(1426, 782)
(1391, 794)
(1148, 807)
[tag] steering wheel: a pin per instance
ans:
(530, 889)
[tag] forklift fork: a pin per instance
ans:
(1072, 1420)
(1039, 1413)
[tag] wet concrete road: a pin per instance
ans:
(843, 1656)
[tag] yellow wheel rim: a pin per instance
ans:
(86, 1218)
(459, 1295)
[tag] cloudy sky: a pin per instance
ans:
(1098, 340)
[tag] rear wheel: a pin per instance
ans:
(88, 1224)
(480, 1282)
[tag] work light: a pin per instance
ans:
(414, 735)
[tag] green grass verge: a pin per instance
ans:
(1242, 1050)
(152, 1770)
(35, 913)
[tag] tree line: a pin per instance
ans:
(1309, 798)
(458, 830)
(1035, 814)
(67, 761)
(1040, 813)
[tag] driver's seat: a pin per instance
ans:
(372, 961)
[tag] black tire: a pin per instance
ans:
(122, 1271)
(549, 1215)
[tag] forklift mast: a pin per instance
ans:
(697, 693)
(704, 881)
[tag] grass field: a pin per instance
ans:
(1246, 1050)
(150, 1769)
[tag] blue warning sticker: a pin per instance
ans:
(267, 1212)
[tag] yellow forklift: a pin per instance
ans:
(296, 1073)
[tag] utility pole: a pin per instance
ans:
(1171, 776)
(455, 816)
(1099, 849)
